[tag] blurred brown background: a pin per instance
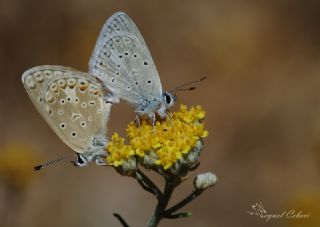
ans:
(262, 60)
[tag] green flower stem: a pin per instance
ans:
(169, 212)
(147, 184)
(121, 220)
(144, 185)
(178, 215)
(163, 201)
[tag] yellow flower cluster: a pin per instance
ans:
(118, 151)
(169, 140)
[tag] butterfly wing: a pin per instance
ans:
(71, 102)
(121, 60)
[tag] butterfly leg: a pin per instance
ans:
(137, 120)
(100, 161)
(153, 117)
(111, 98)
(169, 117)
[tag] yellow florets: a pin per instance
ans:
(169, 140)
(118, 151)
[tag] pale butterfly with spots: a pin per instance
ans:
(72, 104)
(122, 61)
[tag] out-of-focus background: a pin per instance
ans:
(262, 60)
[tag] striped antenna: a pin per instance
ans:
(182, 87)
(44, 165)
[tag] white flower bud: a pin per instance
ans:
(205, 180)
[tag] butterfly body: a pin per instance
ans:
(122, 61)
(72, 104)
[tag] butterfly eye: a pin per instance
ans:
(80, 160)
(168, 98)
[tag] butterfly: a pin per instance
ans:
(72, 104)
(122, 61)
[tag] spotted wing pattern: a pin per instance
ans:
(122, 61)
(71, 102)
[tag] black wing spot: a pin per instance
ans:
(126, 53)
(145, 63)
(136, 83)
(73, 134)
(135, 55)
(118, 66)
(149, 81)
(120, 56)
(101, 63)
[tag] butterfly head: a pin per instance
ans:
(169, 99)
(80, 161)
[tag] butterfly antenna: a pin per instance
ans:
(45, 165)
(182, 87)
